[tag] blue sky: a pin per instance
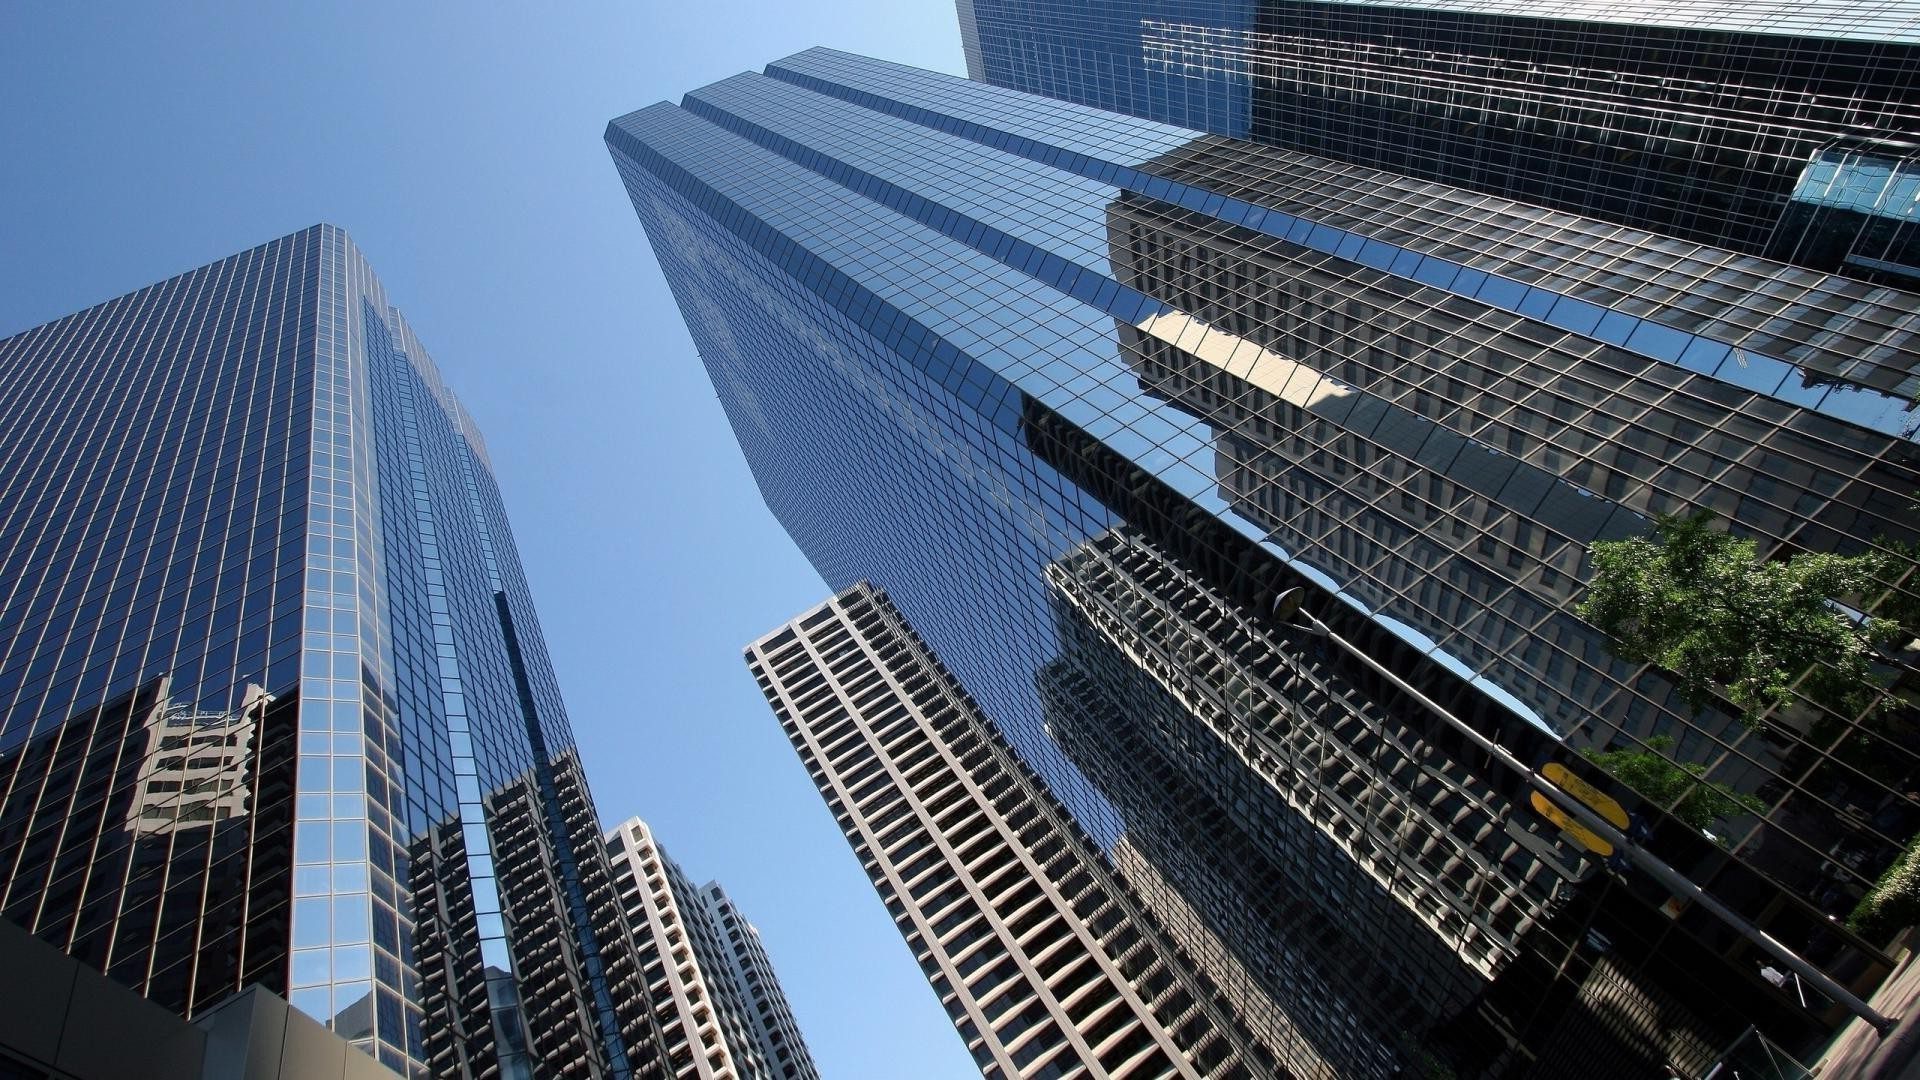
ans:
(460, 145)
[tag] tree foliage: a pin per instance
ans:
(1695, 800)
(1901, 605)
(1894, 901)
(1696, 601)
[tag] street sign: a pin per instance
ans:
(1596, 800)
(1599, 801)
(1580, 834)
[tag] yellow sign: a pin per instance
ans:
(1601, 803)
(1580, 833)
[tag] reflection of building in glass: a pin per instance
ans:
(1425, 451)
(1211, 888)
(1324, 441)
(966, 336)
(106, 867)
(267, 666)
(1046, 964)
(1181, 625)
(1302, 756)
(566, 990)
(721, 1020)
(1191, 935)
(1377, 866)
(1777, 128)
(195, 768)
(1857, 206)
(1328, 847)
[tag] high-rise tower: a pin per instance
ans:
(276, 705)
(1047, 965)
(716, 999)
(1775, 128)
(770, 1015)
(1085, 394)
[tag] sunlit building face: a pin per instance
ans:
(274, 706)
(1084, 393)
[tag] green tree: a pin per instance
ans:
(1697, 602)
(1662, 781)
(1894, 901)
(1901, 605)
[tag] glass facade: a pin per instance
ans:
(1084, 392)
(1716, 122)
(276, 707)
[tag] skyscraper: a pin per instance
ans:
(1084, 394)
(1781, 129)
(772, 1020)
(716, 999)
(276, 705)
(1047, 965)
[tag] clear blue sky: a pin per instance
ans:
(460, 145)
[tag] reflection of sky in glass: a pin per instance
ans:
(1071, 234)
(1869, 184)
(983, 306)
(997, 248)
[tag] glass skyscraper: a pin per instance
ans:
(276, 705)
(1084, 393)
(1779, 128)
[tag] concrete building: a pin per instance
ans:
(772, 1021)
(1048, 966)
(716, 1001)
